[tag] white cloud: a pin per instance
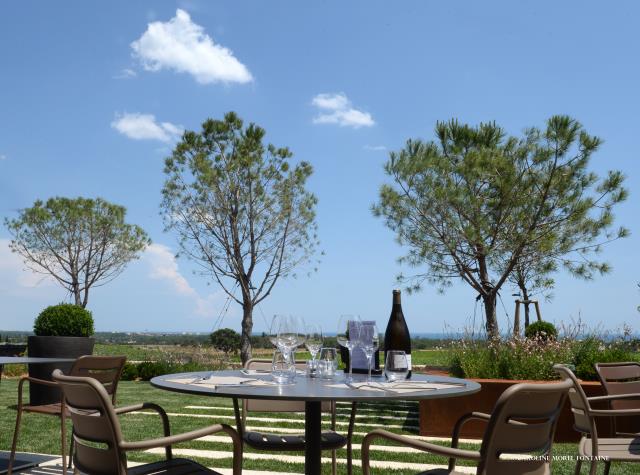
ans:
(336, 108)
(163, 266)
(144, 127)
(13, 270)
(183, 46)
(126, 73)
(375, 148)
(3, 157)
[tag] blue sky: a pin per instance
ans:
(92, 99)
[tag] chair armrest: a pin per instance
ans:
(37, 381)
(177, 438)
(415, 444)
(614, 412)
(613, 397)
(31, 379)
(147, 405)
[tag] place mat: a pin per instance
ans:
(399, 387)
(262, 372)
(214, 382)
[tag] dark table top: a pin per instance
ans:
(29, 360)
(312, 389)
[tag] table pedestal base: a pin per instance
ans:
(313, 438)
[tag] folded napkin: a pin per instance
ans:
(399, 387)
(221, 381)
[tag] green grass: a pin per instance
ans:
(41, 433)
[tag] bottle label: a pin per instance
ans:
(409, 362)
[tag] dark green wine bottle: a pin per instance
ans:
(397, 336)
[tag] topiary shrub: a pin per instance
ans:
(542, 331)
(64, 319)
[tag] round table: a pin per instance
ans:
(312, 391)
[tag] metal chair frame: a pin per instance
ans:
(584, 415)
(107, 369)
(100, 446)
(288, 406)
(516, 426)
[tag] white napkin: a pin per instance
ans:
(221, 381)
(398, 386)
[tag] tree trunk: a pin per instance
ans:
(489, 300)
(247, 327)
(76, 294)
(525, 296)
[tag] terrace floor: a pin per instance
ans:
(40, 434)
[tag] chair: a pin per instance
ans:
(590, 445)
(620, 378)
(523, 423)
(105, 369)
(100, 447)
(287, 442)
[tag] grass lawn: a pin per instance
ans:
(40, 433)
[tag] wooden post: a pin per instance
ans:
(516, 318)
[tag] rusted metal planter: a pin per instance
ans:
(438, 416)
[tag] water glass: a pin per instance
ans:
(328, 363)
(396, 367)
(283, 367)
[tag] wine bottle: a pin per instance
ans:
(397, 337)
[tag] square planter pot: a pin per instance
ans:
(438, 416)
(53, 347)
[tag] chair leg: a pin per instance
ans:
(578, 466)
(334, 463)
(71, 447)
(14, 444)
(63, 441)
(607, 466)
(594, 468)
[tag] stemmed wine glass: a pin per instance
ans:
(274, 329)
(313, 341)
(370, 344)
(349, 337)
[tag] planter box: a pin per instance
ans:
(438, 416)
(53, 347)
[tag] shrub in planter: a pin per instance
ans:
(64, 319)
(541, 330)
(593, 350)
(61, 331)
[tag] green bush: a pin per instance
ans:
(129, 372)
(533, 358)
(226, 340)
(592, 350)
(541, 330)
(517, 358)
(150, 369)
(64, 320)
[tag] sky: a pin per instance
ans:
(93, 97)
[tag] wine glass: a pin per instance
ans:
(300, 329)
(287, 338)
(328, 363)
(313, 340)
(274, 329)
(349, 337)
(370, 339)
(396, 366)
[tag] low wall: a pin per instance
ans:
(438, 416)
